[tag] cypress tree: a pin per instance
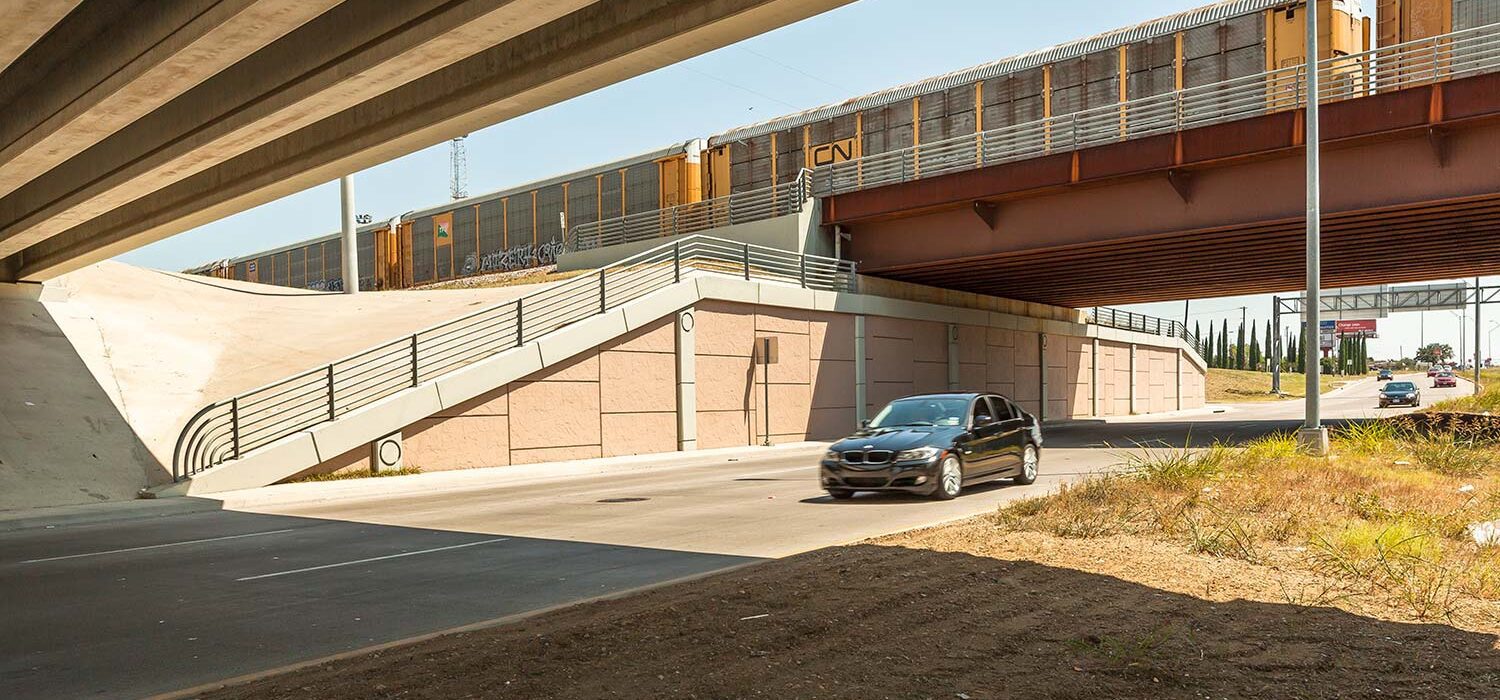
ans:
(1224, 344)
(1254, 350)
(1239, 348)
(1270, 349)
(1301, 352)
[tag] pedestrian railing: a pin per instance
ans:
(1447, 57)
(226, 430)
(1129, 321)
(694, 217)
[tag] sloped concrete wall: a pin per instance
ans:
(63, 438)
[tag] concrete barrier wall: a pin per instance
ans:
(622, 397)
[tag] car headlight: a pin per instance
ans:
(832, 454)
(919, 453)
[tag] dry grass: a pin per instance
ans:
(1383, 521)
(354, 474)
(537, 275)
(1235, 385)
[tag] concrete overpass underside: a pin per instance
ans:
(125, 125)
(1411, 192)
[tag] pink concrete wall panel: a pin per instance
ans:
(638, 392)
(467, 442)
(638, 433)
(724, 340)
(555, 413)
(831, 337)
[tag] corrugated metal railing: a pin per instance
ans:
(228, 429)
(693, 217)
(1125, 320)
(1450, 56)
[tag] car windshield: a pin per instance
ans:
(1400, 386)
(922, 411)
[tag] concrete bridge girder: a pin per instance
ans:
(346, 90)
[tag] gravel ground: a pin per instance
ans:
(960, 611)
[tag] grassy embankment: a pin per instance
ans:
(1382, 524)
(1237, 385)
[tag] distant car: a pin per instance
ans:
(1384, 375)
(1444, 379)
(934, 445)
(1433, 370)
(1400, 393)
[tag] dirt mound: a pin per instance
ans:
(955, 612)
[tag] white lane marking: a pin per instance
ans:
(366, 561)
(156, 546)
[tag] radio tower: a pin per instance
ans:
(458, 180)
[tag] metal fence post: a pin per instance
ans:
(677, 261)
(520, 330)
(330, 393)
(747, 261)
(234, 424)
(414, 381)
(603, 304)
(802, 270)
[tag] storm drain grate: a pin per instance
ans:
(633, 499)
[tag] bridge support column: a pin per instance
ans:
(1094, 379)
(1041, 339)
(1132, 379)
(953, 377)
(687, 387)
(1179, 379)
(861, 413)
(351, 253)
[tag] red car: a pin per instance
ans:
(1444, 379)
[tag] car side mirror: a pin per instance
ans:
(864, 423)
(982, 420)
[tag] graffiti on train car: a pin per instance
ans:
(513, 258)
(329, 285)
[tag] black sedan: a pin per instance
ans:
(1400, 393)
(934, 445)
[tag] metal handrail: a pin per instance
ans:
(1454, 55)
(1141, 323)
(228, 429)
(694, 217)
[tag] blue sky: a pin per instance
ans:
(859, 48)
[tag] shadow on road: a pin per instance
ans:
(216, 594)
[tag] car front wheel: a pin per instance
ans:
(950, 479)
(1029, 460)
(841, 494)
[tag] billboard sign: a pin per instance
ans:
(1343, 327)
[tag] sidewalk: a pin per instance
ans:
(347, 490)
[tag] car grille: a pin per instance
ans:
(867, 456)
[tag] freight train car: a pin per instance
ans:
(510, 229)
(1199, 47)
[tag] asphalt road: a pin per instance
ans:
(130, 606)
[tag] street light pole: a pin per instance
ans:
(1313, 437)
(1478, 325)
